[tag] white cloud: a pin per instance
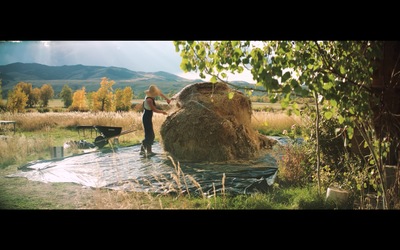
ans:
(45, 43)
(244, 76)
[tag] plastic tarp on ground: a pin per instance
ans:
(125, 169)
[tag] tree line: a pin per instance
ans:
(24, 96)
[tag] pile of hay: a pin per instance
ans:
(211, 123)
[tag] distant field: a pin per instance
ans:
(58, 103)
(266, 105)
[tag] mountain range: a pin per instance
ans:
(78, 76)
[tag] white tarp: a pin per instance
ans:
(124, 168)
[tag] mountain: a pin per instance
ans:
(34, 71)
(77, 76)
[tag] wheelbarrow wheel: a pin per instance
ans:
(100, 141)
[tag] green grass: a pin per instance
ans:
(23, 194)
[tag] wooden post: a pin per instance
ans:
(57, 152)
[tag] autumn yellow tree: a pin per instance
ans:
(89, 99)
(27, 88)
(123, 99)
(103, 99)
(17, 100)
(35, 96)
(79, 102)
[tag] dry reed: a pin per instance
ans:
(267, 121)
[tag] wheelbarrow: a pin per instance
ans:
(106, 133)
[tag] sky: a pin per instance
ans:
(146, 56)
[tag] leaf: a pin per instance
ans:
(350, 132)
(285, 101)
(295, 107)
(342, 70)
(274, 84)
(328, 115)
(230, 95)
(286, 89)
(184, 65)
(286, 76)
(327, 85)
(341, 119)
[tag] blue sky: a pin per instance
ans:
(147, 56)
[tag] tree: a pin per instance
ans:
(46, 94)
(337, 74)
(79, 102)
(17, 99)
(2, 105)
(103, 99)
(35, 96)
(123, 99)
(66, 95)
(27, 88)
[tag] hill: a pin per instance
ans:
(77, 76)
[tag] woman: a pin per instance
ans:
(149, 106)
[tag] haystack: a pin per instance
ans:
(212, 123)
